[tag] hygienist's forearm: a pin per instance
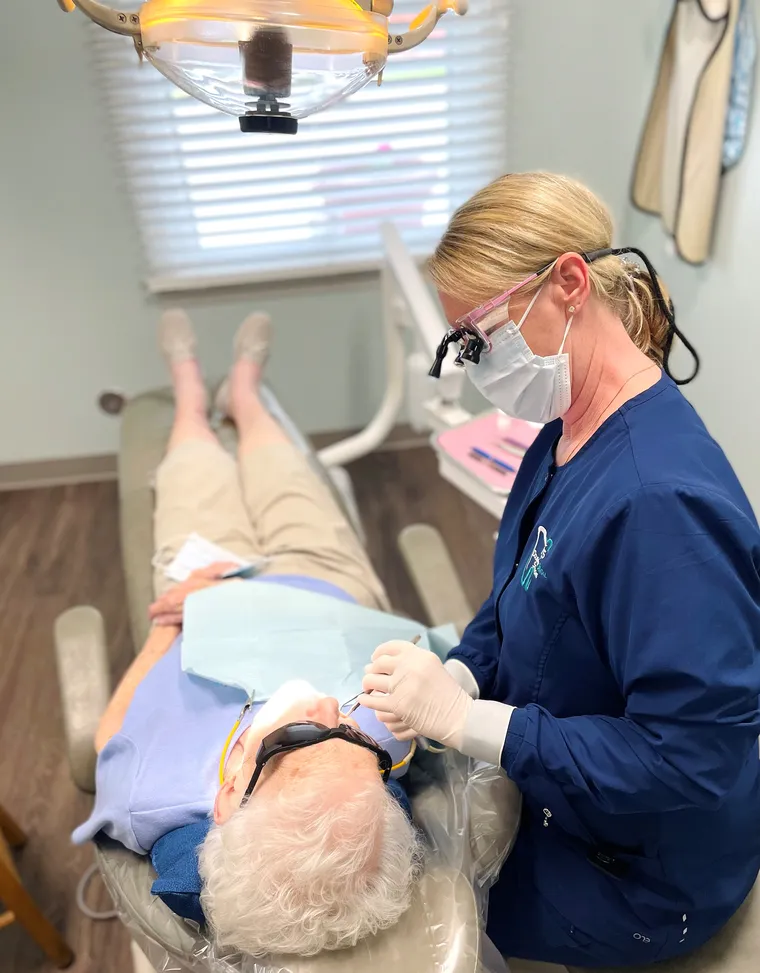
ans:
(487, 723)
(621, 766)
(485, 730)
(158, 644)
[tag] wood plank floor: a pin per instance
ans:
(58, 548)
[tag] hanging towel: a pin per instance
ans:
(742, 87)
(680, 161)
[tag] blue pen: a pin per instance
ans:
(482, 454)
(246, 571)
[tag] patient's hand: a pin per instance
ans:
(168, 609)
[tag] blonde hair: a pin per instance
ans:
(524, 221)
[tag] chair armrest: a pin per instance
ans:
(495, 807)
(434, 576)
(82, 661)
(469, 812)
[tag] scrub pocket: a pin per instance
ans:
(592, 905)
(532, 913)
(579, 947)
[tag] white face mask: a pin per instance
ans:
(524, 385)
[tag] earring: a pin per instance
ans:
(571, 310)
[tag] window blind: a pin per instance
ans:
(215, 206)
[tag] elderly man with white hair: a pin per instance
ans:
(284, 813)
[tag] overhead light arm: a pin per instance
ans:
(420, 29)
(424, 24)
(113, 20)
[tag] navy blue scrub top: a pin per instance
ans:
(628, 637)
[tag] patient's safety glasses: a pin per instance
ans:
(297, 736)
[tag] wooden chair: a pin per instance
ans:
(20, 906)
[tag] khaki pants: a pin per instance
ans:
(269, 504)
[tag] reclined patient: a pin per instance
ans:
(308, 849)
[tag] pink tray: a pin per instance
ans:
(495, 434)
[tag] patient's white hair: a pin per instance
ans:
(300, 873)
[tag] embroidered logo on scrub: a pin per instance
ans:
(534, 567)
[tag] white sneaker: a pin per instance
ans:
(176, 337)
(253, 338)
(252, 342)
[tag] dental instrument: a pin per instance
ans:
(246, 571)
(355, 707)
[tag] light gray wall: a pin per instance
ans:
(583, 75)
(74, 318)
(719, 310)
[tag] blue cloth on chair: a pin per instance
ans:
(175, 859)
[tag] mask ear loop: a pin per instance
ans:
(529, 308)
(666, 307)
(567, 332)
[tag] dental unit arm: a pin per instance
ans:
(423, 24)
(270, 62)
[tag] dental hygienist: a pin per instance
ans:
(614, 670)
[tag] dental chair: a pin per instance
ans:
(453, 802)
(480, 808)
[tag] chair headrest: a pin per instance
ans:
(441, 930)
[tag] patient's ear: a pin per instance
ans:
(224, 803)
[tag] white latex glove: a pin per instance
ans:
(419, 697)
(461, 675)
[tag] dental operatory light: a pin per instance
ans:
(269, 62)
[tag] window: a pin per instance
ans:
(215, 206)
